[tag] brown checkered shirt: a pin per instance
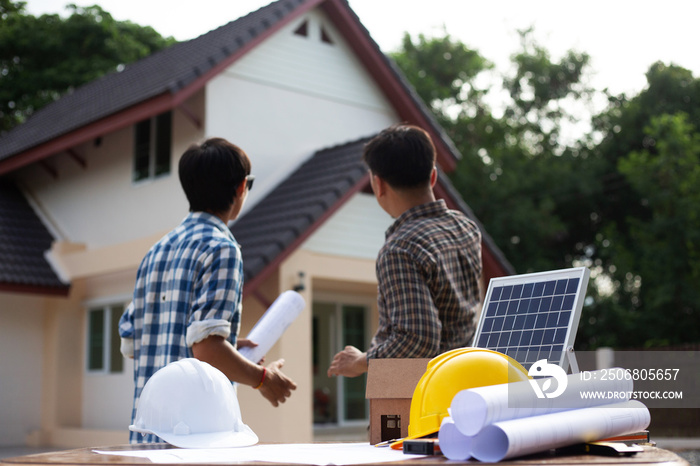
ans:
(428, 275)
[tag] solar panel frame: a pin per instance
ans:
(533, 316)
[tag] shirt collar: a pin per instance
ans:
(430, 209)
(213, 220)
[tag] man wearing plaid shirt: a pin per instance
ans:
(187, 297)
(429, 268)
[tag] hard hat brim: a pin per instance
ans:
(243, 438)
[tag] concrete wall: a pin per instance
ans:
(22, 348)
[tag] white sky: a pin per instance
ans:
(623, 37)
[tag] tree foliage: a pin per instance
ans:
(43, 57)
(648, 241)
(622, 198)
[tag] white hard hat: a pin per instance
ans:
(191, 404)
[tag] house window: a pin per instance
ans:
(103, 345)
(303, 29)
(152, 142)
(338, 400)
(325, 37)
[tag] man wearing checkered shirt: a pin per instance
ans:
(188, 292)
(429, 268)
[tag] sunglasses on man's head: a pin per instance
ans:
(249, 182)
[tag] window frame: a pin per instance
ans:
(339, 302)
(110, 346)
(152, 143)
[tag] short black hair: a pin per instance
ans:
(401, 155)
(210, 172)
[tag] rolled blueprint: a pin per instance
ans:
(518, 437)
(475, 408)
(454, 444)
(273, 323)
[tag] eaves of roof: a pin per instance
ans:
(23, 240)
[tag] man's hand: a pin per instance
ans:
(350, 362)
(277, 387)
(245, 343)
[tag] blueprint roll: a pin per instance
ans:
(475, 408)
(278, 317)
(454, 444)
(518, 437)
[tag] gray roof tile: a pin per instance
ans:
(23, 240)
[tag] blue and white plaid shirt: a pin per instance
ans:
(188, 287)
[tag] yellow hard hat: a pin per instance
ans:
(449, 374)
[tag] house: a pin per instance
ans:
(89, 183)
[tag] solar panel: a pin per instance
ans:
(533, 316)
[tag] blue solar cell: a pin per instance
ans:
(502, 308)
(564, 317)
(515, 338)
(538, 289)
(507, 290)
(533, 316)
(560, 334)
(519, 323)
(548, 338)
(508, 323)
(535, 305)
(537, 337)
(561, 287)
(568, 303)
(497, 324)
(524, 306)
(556, 303)
(549, 287)
(513, 307)
(496, 293)
(530, 320)
(541, 321)
(491, 308)
(546, 304)
(517, 292)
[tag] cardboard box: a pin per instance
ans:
(390, 386)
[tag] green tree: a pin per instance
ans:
(645, 247)
(43, 57)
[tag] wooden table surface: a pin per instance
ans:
(86, 456)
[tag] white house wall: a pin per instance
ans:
(98, 205)
(292, 96)
(356, 230)
(21, 346)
